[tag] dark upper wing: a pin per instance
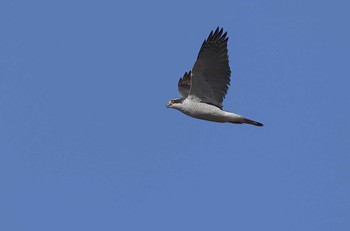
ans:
(184, 84)
(211, 71)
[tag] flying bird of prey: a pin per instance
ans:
(203, 89)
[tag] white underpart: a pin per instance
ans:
(194, 108)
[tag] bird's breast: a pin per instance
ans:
(203, 111)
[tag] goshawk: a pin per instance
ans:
(203, 89)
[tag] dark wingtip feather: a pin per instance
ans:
(217, 30)
(210, 35)
(217, 35)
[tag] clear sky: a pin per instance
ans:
(86, 142)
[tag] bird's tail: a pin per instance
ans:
(252, 122)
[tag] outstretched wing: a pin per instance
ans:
(211, 72)
(184, 84)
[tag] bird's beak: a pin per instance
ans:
(168, 104)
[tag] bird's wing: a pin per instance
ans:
(211, 72)
(184, 84)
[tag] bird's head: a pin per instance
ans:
(174, 103)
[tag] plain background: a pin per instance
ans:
(86, 142)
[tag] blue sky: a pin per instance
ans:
(88, 144)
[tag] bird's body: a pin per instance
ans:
(194, 108)
(204, 87)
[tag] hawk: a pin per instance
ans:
(203, 89)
